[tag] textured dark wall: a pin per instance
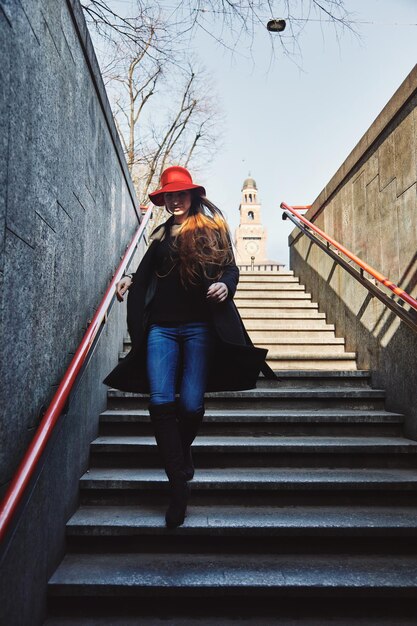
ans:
(66, 216)
(370, 206)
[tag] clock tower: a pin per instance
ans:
(250, 234)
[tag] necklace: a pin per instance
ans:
(167, 274)
(174, 263)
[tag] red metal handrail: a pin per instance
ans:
(28, 464)
(367, 268)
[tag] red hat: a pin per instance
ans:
(174, 178)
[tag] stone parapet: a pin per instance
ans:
(370, 206)
(67, 212)
(399, 106)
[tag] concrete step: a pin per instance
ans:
(277, 303)
(277, 444)
(285, 398)
(256, 416)
(265, 274)
(274, 295)
(277, 351)
(301, 330)
(298, 339)
(260, 451)
(254, 421)
(226, 528)
(257, 486)
(286, 326)
(257, 479)
(281, 313)
(292, 286)
(312, 361)
(314, 378)
(226, 620)
(279, 393)
(295, 337)
(245, 279)
(294, 349)
(240, 521)
(123, 575)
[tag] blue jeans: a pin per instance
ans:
(181, 350)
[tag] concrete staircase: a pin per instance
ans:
(280, 316)
(303, 508)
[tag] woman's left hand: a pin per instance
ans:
(217, 292)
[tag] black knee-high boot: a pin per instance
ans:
(189, 425)
(168, 439)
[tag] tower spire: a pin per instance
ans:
(250, 234)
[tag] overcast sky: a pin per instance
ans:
(292, 128)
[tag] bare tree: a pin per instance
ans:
(136, 85)
(229, 22)
(146, 61)
(183, 120)
(142, 59)
(115, 27)
(190, 127)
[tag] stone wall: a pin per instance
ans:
(67, 212)
(370, 206)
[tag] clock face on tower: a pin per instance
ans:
(252, 247)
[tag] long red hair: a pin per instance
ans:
(203, 244)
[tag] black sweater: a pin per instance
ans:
(172, 301)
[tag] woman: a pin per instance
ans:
(187, 335)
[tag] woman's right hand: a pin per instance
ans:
(122, 286)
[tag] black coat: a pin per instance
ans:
(236, 363)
